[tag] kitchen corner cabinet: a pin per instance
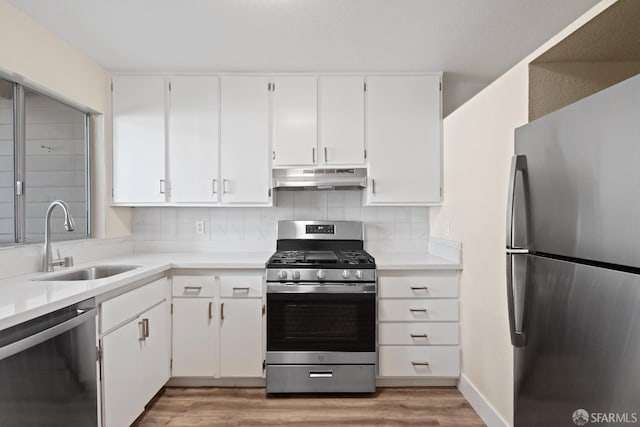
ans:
(404, 140)
(244, 138)
(193, 139)
(418, 330)
(135, 351)
(295, 121)
(341, 101)
(139, 139)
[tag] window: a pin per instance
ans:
(43, 157)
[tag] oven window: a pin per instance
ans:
(321, 322)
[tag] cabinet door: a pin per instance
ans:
(154, 371)
(193, 139)
(241, 337)
(245, 153)
(403, 131)
(195, 330)
(121, 361)
(341, 106)
(295, 120)
(138, 139)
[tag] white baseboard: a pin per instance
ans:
(480, 404)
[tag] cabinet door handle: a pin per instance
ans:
(224, 186)
(418, 335)
(141, 328)
(210, 310)
(421, 310)
(414, 363)
(274, 155)
(313, 155)
(162, 186)
(214, 186)
(419, 288)
(325, 154)
(373, 186)
(145, 324)
(222, 311)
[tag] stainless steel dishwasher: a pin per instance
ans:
(48, 369)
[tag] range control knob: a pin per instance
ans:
(321, 274)
(295, 275)
(282, 274)
(359, 274)
(346, 274)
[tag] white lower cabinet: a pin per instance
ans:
(135, 353)
(418, 331)
(241, 337)
(218, 326)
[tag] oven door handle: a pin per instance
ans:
(40, 337)
(316, 288)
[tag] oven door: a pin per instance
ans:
(321, 319)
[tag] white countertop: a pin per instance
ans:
(22, 298)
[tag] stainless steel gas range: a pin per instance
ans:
(321, 310)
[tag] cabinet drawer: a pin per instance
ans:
(194, 286)
(411, 310)
(415, 361)
(441, 284)
(418, 333)
(126, 306)
(241, 286)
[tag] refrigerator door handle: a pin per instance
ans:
(518, 338)
(518, 163)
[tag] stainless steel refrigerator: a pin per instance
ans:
(573, 263)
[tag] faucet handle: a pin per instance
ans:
(68, 261)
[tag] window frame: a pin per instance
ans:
(19, 161)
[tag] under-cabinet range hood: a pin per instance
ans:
(320, 179)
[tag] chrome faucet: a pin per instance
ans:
(69, 224)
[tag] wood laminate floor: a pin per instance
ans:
(419, 406)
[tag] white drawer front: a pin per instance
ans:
(411, 310)
(443, 284)
(131, 304)
(415, 361)
(241, 286)
(418, 333)
(194, 286)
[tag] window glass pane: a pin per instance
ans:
(7, 234)
(55, 166)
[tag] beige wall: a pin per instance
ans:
(478, 144)
(32, 55)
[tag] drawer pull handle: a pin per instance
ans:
(414, 363)
(419, 335)
(320, 374)
(192, 288)
(419, 288)
(421, 310)
(241, 290)
(210, 310)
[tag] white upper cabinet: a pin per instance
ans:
(139, 139)
(193, 139)
(341, 120)
(295, 120)
(403, 134)
(245, 145)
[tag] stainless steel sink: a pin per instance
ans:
(90, 273)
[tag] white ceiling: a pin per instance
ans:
(472, 41)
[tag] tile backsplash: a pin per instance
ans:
(392, 227)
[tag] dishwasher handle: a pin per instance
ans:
(40, 337)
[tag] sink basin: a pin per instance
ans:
(90, 273)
